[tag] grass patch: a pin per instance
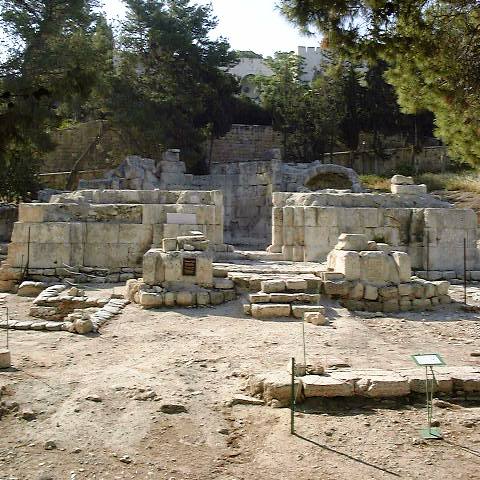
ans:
(463, 182)
(375, 182)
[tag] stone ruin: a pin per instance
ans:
(102, 235)
(180, 274)
(306, 227)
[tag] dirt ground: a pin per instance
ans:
(99, 399)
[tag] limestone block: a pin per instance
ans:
(370, 217)
(317, 244)
(169, 299)
(405, 304)
(351, 241)
(299, 238)
(141, 235)
(288, 235)
(287, 252)
(345, 262)
(429, 290)
(151, 300)
(382, 385)
(186, 298)
(102, 233)
(310, 216)
(404, 266)
(31, 213)
(273, 286)
(298, 253)
(309, 297)
(357, 291)
(217, 297)
(288, 216)
(283, 297)
(275, 386)
(259, 297)
(299, 216)
(296, 285)
(223, 283)
(30, 289)
(270, 310)
(402, 180)
(374, 268)
(388, 293)
(169, 244)
(340, 288)
(420, 304)
(409, 189)
(325, 386)
(203, 298)
(371, 292)
(391, 305)
(298, 311)
(277, 216)
(372, 246)
(442, 287)
(315, 318)
(405, 290)
(5, 358)
(327, 217)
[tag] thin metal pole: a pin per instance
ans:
(428, 254)
(292, 400)
(304, 346)
(8, 327)
(427, 392)
(465, 271)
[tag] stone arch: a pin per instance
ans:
(323, 176)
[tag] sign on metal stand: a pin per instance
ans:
(429, 360)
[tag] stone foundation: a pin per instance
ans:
(105, 232)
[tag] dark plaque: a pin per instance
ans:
(189, 267)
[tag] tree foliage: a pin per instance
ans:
(432, 49)
(172, 89)
(305, 114)
(51, 66)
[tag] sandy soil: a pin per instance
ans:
(92, 396)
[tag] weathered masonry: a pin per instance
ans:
(107, 229)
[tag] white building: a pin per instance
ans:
(252, 64)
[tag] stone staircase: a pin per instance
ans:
(285, 297)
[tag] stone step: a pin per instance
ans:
(366, 383)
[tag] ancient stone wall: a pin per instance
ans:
(245, 143)
(306, 226)
(108, 229)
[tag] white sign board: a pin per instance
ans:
(182, 218)
(428, 359)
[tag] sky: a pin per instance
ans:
(248, 24)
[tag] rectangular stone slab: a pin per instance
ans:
(182, 218)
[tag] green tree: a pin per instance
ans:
(432, 50)
(306, 115)
(172, 89)
(50, 66)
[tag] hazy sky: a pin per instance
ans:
(248, 24)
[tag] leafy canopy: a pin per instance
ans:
(432, 48)
(51, 64)
(172, 88)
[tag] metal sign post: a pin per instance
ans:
(429, 360)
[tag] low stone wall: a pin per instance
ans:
(306, 227)
(8, 216)
(106, 229)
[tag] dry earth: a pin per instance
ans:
(99, 399)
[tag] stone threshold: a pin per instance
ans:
(275, 387)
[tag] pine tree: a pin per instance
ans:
(172, 89)
(432, 50)
(50, 67)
